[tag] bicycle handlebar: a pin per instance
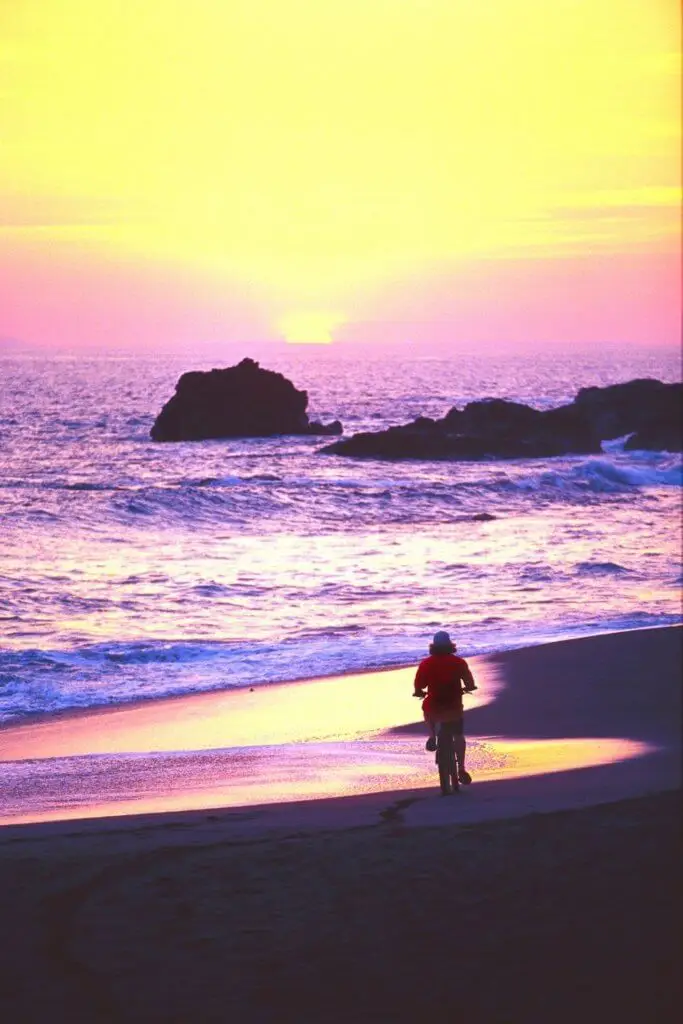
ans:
(463, 691)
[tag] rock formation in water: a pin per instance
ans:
(649, 410)
(494, 428)
(240, 401)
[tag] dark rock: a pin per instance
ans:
(453, 419)
(496, 416)
(657, 437)
(519, 431)
(648, 407)
(240, 401)
(425, 423)
(409, 442)
(497, 428)
(484, 430)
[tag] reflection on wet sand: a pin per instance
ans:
(346, 736)
(338, 708)
(113, 785)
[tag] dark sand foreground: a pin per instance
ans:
(389, 907)
(572, 916)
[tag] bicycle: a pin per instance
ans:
(445, 758)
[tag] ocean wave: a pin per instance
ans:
(103, 675)
(608, 476)
(85, 485)
(58, 485)
(247, 499)
(136, 653)
(456, 493)
(536, 573)
(600, 569)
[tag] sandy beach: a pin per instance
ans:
(550, 888)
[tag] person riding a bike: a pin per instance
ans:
(440, 679)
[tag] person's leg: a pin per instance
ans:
(460, 745)
(431, 725)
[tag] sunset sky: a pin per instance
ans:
(431, 172)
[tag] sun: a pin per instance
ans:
(309, 327)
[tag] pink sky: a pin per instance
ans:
(183, 176)
(631, 300)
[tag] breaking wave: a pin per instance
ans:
(103, 675)
(609, 476)
(460, 492)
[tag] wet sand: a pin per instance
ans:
(539, 713)
(390, 905)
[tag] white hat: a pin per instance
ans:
(442, 639)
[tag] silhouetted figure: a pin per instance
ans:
(443, 675)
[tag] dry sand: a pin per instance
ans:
(384, 907)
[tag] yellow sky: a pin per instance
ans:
(314, 151)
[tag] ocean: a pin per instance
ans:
(131, 569)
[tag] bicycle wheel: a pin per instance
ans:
(454, 769)
(445, 759)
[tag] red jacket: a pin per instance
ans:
(441, 675)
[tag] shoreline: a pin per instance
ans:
(42, 717)
(541, 715)
(563, 882)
